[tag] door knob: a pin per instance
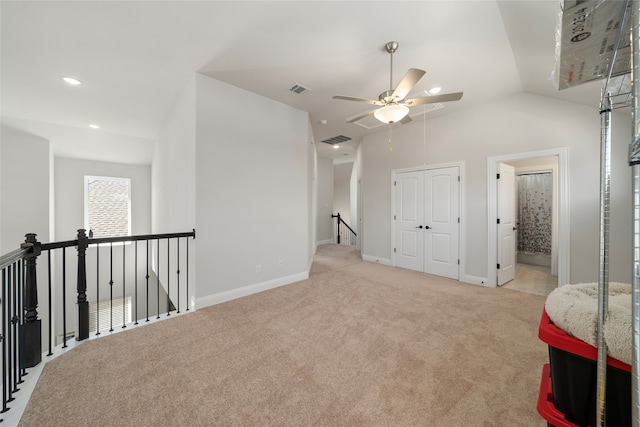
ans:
(419, 226)
(426, 227)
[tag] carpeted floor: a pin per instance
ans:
(357, 344)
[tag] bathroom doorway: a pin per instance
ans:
(542, 261)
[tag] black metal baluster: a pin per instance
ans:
(135, 284)
(14, 322)
(178, 271)
(12, 335)
(5, 315)
(168, 279)
(97, 289)
(64, 297)
(124, 262)
(50, 297)
(18, 320)
(19, 292)
(147, 278)
(158, 281)
(111, 287)
(188, 304)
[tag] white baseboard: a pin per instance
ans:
(244, 291)
(324, 242)
(378, 260)
(475, 280)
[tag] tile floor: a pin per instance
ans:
(533, 279)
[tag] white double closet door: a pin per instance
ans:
(427, 221)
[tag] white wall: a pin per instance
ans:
(325, 200)
(173, 188)
(24, 195)
(312, 194)
(251, 192)
(174, 168)
(353, 198)
(517, 124)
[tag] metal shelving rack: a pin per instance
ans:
(618, 64)
(634, 162)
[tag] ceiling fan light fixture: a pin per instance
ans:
(391, 113)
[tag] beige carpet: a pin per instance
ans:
(358, 344)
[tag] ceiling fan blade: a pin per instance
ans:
(407, 83)
(359, 116)
(446, 97)
(366, 101)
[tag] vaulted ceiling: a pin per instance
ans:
(135, 58)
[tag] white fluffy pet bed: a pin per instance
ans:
(574, 309)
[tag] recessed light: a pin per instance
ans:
(94, 126)
(72, 81)
(336, 146)
(435, 90)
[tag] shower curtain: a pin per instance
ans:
(534, 213)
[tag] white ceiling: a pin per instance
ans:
(136, 57)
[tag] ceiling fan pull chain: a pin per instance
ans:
(390, 146)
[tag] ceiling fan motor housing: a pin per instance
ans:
(386, 96)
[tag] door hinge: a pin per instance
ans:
(498, 221)
(497, 176)
(458, 178)
(458, 220)
(394, 250)
(498, 266)
(394, 183)
(458, 262)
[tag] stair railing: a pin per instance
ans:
(344, 234)
(20, 325)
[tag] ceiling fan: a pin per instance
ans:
(394, 107)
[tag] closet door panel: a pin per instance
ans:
(442, 202)
(409, 208)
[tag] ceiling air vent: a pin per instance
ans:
(337, 139)
(299, 90)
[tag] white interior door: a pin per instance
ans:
(427, 221)
(442, 212)
(409, 217)
(506, 197)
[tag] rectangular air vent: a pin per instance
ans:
(337, 139)
(299, 90)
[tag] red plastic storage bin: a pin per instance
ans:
(573, 378)
(546, 407)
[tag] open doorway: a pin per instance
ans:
(536, 234)
(345, 203)
(541, 248)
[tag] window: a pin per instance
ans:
(103, 315)
(107, 211)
